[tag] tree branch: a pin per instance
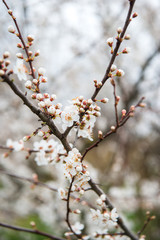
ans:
(118, 44)
(32, 231)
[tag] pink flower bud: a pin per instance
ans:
(110, 41)
(123, 112)
(135, 15)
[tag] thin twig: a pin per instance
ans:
(32, 231)
(69, 210)
(22, 40)
(148, 220)
(118, 44)
(31, 180)
(120, 124)
(115, 104)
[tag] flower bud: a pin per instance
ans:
(26, 138)
(30, 38)
(112, 82)
(127, 37)
(120, 73)
(35, 81)
(132, 108)
(119, 30)
(53, 97)
(7, 63)
(142, 105)
(89, 101)
(104, 100)
(33, 224)
(2, 73)
(28, 84)
(37, 53)
(41, 71)
(113, 128)
(46, 95)
(33, 96)
(19, 45)
(113, 68)
(126, 50)
(30, 53)
(41, 104)
(39, 97)
(10, 12)
(6, 54)
(11, 29)
(40, 134)
(100, 134)
(123, 112)
(19, 55)
(110, 41)
(135, 15)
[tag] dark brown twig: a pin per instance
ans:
(120, 124)
(118, 44)
(69, 210)
(22, 40)
(148, 220)
(32, 231)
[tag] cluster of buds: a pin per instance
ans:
(115, 72)
(97, 85)
(34, 84)
(45, 102)
(4, 63)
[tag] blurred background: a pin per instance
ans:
(71, 36)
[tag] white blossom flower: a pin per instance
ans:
(20, 69)
(77, 227)
(96, 215)
(41, 104)
(17, 146)
(52, 110)
(41, 158)
(62, 193)
(114, 214)
(69, 115)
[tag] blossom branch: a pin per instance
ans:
(32, 231)
(22, 40)
(44, 117)
(118, 44)
(121, 123)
